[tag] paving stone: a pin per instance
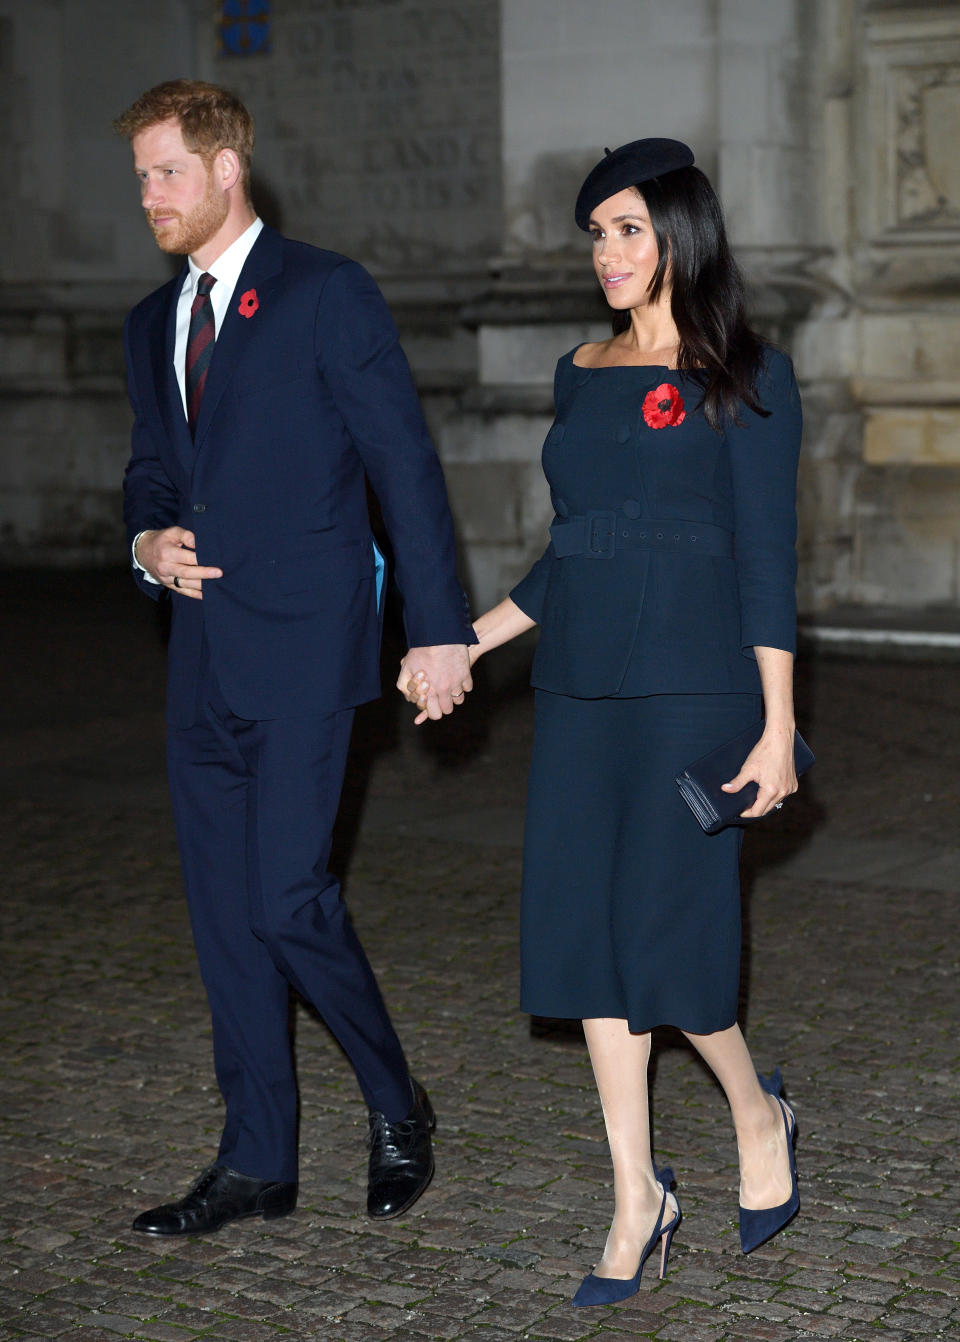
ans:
(248, 1330)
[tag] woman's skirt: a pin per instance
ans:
(629, 909)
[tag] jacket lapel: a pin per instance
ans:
(264, 262)
(162, 345)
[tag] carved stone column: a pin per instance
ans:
(905, 176)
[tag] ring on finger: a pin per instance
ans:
(176, 580)
(778, 805)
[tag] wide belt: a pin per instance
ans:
(599, 535)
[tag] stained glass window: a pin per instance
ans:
(244, 27)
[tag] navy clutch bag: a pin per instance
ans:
(699, 783)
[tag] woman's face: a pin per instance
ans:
(625, 254)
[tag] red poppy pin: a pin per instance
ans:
(249, 302)
(663, 407)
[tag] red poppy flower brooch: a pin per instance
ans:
(663, 407)
(249, 302)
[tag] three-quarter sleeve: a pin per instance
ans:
(530, 591)
(764, 452)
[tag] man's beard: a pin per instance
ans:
(189, 232)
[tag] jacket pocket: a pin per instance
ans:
(309, 564)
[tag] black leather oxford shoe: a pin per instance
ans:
(218, 1196)
(401, 1158)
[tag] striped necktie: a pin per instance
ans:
(200, 341)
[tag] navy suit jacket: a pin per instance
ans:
(303, 399)
(672, 551)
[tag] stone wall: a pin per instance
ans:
(442, 143)
(377, 134)
(378, 129)
(74, 255)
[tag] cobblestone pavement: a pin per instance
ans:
(108, 1104)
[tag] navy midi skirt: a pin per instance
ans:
(629, 909)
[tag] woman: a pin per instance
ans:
(667, 612)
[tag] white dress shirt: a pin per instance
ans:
(226, 271)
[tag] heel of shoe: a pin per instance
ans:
(666, 1240)
(595, 1290)
(422, 1099)
(277, 1202)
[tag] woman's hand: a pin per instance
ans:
(416, 691)
(769, 765)
(497, 626)
(417, 688)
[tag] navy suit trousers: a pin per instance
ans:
(254, 805)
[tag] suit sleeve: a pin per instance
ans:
(764, 452)
(149, 496)
(359, 354)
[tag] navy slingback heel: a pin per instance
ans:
(595, 1290)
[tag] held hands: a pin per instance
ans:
(770, 766)
(436, 679)
(170, 557)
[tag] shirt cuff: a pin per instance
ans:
(138, 566)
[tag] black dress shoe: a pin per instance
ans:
(401, 1158)
(218, 1196)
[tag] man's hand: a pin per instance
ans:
(170, 557)
(444, 671)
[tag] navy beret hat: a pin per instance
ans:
(629, 165)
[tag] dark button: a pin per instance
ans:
(199, 507)
(659, 535)
(624, 532)
(643, 535)
(676, 536)
(693, 538)
(632, 508)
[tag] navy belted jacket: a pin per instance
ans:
(672, 550)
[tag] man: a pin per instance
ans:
(266, 383)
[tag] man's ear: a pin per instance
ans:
(227, 167)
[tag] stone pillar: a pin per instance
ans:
(780, 69)
(906, 275)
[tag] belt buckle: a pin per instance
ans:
(601, 535)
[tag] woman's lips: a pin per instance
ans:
(612, 281)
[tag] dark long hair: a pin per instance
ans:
(707, 292)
